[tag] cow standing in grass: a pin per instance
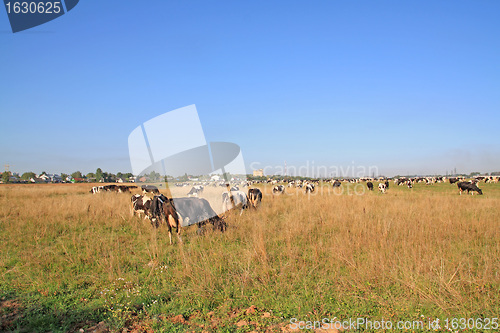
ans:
(162, 209)
(198, 211)
(382, 188)
(469, 187)
(254, 197)
(240, 200)
(370, 186)
(141, 204)
(309, 188)
(279, 189)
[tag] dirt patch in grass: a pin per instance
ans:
(10, 310)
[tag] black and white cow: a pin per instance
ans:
(309, 188)
(150, 189)
(336, 184)
(110, 188)
(382, 188)
(195, 190)
(254, 197)
(409, 184)
(240, 201)
(469, 187)
(163, 210)
(123, 189)
(370, 186)
(141, 204)
(198, 211)
(279, 189)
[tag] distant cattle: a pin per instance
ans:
(469, 187)
(162, 210)
(254, 197)
(401, 181)
(150, 189)
(124, 188)
(240, 200)
(491, 179)
(382, 188)
(409, 184)
(195, 190)
(309, 188)
(141, 204)
(235, 188)
(370, 186)
(386, 184)
(336, 184)
(111, 188)
(279, 189)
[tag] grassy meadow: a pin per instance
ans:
(72, 261)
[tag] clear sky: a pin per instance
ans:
(406, 86)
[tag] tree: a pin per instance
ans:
(77, 174)
(28, 175)
(98, 174)
(154, 176)
(6, 177)
(64, 176)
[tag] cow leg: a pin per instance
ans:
(169, 233)
(179, 234)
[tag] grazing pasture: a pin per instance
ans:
(72, 260)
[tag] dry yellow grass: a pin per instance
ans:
(404, 254)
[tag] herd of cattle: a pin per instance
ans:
(191, 209)
(463, 185)
(194, 209)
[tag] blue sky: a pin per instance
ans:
(408, 87)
